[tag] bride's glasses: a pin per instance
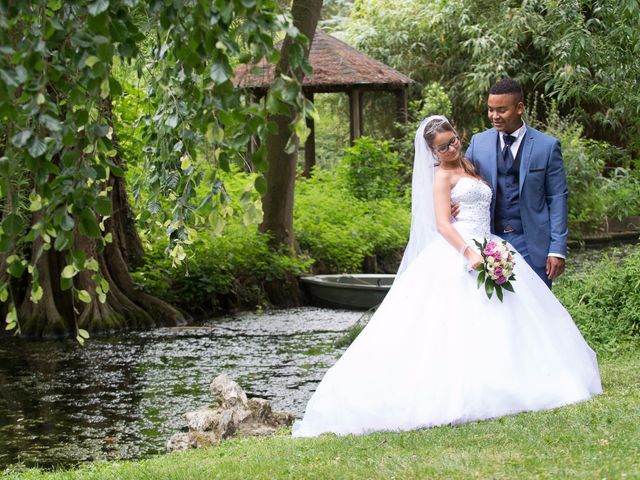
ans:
(445, 146)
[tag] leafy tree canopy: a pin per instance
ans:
(582, 53)
(61, 68)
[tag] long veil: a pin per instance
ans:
(423, 218)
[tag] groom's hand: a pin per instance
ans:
(455, 209)
(555, 267)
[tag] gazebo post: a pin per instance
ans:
(310, 144)
(355, 113)
(402, 113)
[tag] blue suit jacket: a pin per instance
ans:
(543, 189)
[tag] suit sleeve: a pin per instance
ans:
(557, 201)
(469, 153)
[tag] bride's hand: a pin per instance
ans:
(474, 258)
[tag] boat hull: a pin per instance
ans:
(352, 291)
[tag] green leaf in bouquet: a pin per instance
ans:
(499, 292)
(481, 278)
(480, 245)
(507, 286)
(488, 287)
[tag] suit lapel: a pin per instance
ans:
(526, 155)
(493, 165)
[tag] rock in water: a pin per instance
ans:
(235, 416)
(227, 393)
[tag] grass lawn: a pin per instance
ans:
(597, 439)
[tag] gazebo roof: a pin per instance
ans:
(337, 67)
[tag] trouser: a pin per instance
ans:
(519, 242)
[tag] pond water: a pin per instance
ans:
(123, 396)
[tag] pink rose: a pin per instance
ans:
(500, 280)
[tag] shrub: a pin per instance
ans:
(222, 273)
(339, 230)
(372, 169)
(584, 166)
(622, 194)
(604, 303)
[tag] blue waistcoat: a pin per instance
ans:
(507, 210)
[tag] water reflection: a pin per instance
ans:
(123, 396)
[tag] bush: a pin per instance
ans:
(622, 194)
(584, 166)
(222, 273)
(604, 303)
(372, 169)
(339, 230)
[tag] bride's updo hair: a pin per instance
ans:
(440, 125)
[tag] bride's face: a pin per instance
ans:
(447, 146)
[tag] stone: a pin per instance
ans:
(227, 393)
(184, 441)
(235, 416)
(260, 408)
(255, 429)
(203, 420)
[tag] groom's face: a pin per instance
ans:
(505, 112)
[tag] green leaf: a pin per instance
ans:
(507, 286)
(91, 61)
(88, 225)
(5, 243)
(37, 148)
(97, 7)
(67, 223)
(218, 73)
(12, 315)
(53, 124)
(261, 185)
(488, 288)
(12, 225)
(105, 88)
(83, 333)
(11, 326)
(36, 294)
(19, 140)
(63, 240)
(92, 264)
(499, 292)
(80, 340)
(69, 271)
(16, 268)
(66, 284)
(103, 206)
(36, 202)
(84, 296)
(185, 162)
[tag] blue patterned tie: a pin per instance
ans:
(507, 155)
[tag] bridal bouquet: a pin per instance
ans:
(496, 272)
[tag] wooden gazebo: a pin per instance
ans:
(337, 67)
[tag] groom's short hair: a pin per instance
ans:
(507, 86)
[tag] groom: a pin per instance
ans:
(524, 168)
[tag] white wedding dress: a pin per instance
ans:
(438, 351)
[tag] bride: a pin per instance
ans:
(438, 351)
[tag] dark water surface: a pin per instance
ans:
(122, 397)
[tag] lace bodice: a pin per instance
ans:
(474, 198)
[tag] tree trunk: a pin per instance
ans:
(277, 203)
(58, 313)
